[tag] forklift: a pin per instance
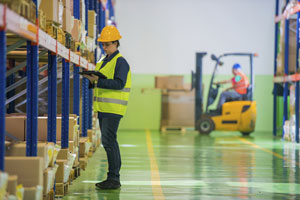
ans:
(235, 115)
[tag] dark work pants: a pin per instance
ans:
(109, 127)
(229, 95)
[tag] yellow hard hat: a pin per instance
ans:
(109, 33)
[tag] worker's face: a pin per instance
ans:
(234, 71)
(109, 47)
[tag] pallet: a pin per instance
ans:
(165, 129)
(61, 189)
(50, 195)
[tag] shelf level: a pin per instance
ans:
(22, 27)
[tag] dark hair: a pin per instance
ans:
(118, 43)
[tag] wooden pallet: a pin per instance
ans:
(61, 189)
(165, 129)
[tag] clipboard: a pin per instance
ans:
(99, 74)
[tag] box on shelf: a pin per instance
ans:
(67, 21)
(63, 154)
(12, 185)
(92, 17)
(49, 179)
(26, 175)
(292, 49)
(66, 4)
(50, 9)
(178, 108)
(169, 82)
(60, 173)
(33, 193)
(16, 131)
(76, 30)
(43, 124)
(45, 151)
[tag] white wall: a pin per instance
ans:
(162, 36)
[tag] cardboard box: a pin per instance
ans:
(12, 185)
(33, 193)
(91, 30)
(67, 4)
(45, 151)
(76, 30)
(63, 154)
(60, 173)
(17, 131)
(43, 125)
(50, 8)
(30, 174)
(82, 146)
(178, 108)
(66, 25)
(169, 82)
(90, 133)
(49, 179)
(92, 17)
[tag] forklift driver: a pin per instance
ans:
(240, 83)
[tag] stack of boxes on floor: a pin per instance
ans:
(52, 165)
(178, 102)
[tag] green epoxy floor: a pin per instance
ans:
(223, 165)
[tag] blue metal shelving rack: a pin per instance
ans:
(286, 78)
(2, 90)
(32, 80)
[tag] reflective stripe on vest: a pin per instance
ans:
(109, 100)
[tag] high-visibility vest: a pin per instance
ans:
(108, 100)
(241, 85)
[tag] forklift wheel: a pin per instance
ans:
(205, 125)
(246, 133)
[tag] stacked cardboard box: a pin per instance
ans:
(46, 152)
(50, 9)
(178, 101)
(84, 148)
(32, 180)
(92, 23)
(3, 184)
(292, 49)
(67, 17)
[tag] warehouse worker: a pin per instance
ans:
(240, 84)
(110, 100)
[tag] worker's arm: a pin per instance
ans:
(222, 82)
(120, 77)
(231, 88)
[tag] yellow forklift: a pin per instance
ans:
(235, 115)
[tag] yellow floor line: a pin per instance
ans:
(265, 150)
(155, 178)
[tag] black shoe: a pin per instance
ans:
(108, 184)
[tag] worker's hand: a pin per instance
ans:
(92, 78)
(216, 83)
(228, 89)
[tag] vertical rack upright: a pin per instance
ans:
(286, 78)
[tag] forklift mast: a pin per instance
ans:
(197, 84)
